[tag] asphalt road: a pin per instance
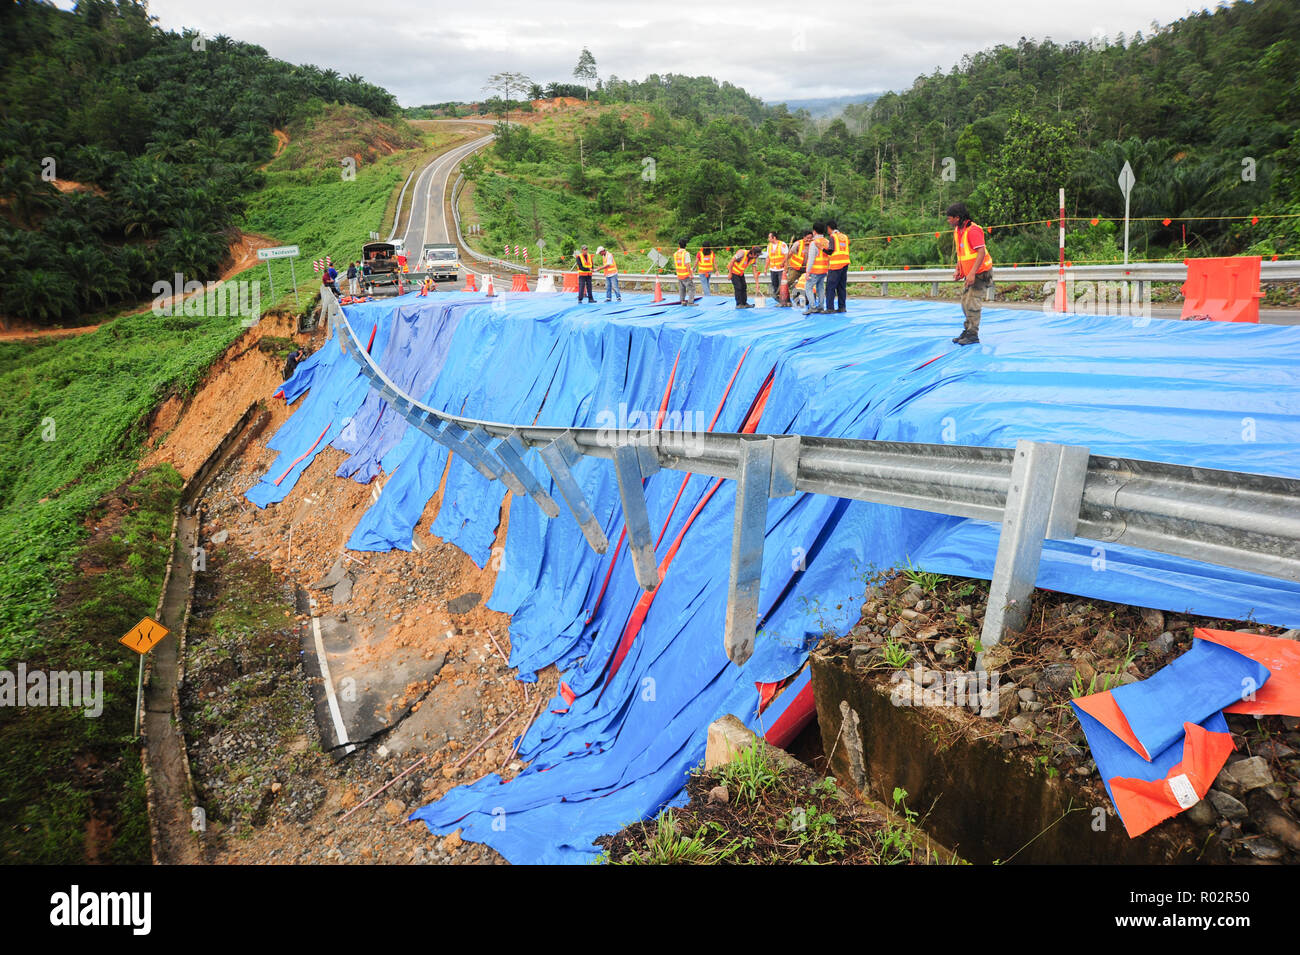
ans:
(427, 222)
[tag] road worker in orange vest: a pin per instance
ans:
(704, 264)
(974, 267)
(837, 275)
(685, 277)
(611, 274)
(584, 273)
(795, 262)
(428, 285)
(818, 251)
(776, 254)
(740, 263)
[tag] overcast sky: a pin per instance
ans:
(433, 52)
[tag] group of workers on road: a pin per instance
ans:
(816, 263)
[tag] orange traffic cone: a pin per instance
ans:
(659, 291)
(520, 283)
(470, 284)
(491, 292)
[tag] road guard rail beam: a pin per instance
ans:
(1140, 273)
(1036, 491)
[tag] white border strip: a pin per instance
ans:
(340, 731)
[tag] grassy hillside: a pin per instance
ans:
(85, 547)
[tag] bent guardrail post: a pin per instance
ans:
(559, 457)
(635, 517)
(768, 467)
(479, 437)
(1042, 504)
(511, 452)
(469, 449)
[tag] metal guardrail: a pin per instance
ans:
(397, 216)
(1286, 270)
(1036, 491)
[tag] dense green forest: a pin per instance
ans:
(1206, 110)
(126, 152)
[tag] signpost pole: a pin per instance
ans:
(1126, 180)
(139, 694)
(293, 275)
(270, 281)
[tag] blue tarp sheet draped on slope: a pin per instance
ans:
(1197, 394)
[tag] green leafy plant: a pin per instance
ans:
(751, 773)
(896, 656)
(926, 581)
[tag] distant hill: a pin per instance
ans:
(827, 106)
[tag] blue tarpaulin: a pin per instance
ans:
(1204, 394)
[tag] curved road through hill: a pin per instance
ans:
(427, 221)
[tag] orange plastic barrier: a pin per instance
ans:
(520, 283)
(470, 285)
(570, 282)
(1224, 290)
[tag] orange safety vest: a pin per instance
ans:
(704, 263)
(823, 261)
(840, 251)
(965, 254)
(797, 256)
(739, 267)
(610, 267)
(584, 263)
(776, 253)
(682, 262)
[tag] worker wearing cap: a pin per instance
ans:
(611, 274)
(704, 264)
(685, 277)
(584, 274)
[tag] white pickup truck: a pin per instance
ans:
(440, 260)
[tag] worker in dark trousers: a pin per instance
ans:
(740, 263)
(584, 274)
(837, 274)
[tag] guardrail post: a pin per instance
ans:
(934, 289)
(768, 467)
(1043, 502)
(884, 289)
(559, 457)
(511, 451)
(635, 517)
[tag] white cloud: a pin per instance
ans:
(427, 54)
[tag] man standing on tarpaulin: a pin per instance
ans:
(975, 265)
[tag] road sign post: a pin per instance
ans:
(1126, 180)
(142, 638)
(289, 252)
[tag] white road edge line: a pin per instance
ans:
(340, 731)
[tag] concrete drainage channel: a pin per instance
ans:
(989, 803)
(169, 781)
